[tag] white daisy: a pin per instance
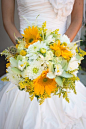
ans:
(34, 50)
(33, 71)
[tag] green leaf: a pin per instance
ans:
(13, 62)
(59, 81)
(64, 64)
(19, 57)
(16, 71)
(66, 75)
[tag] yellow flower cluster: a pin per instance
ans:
(25, 84)
(23, 52)
(4, 79)
(61, 50)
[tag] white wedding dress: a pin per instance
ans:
(17, 111)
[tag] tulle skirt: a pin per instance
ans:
(17, 111)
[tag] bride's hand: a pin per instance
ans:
(76, 19)
(8, 18)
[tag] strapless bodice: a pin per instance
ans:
(54, 12)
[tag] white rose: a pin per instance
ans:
(65, 39)
(73, 64)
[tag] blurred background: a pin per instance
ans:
(6, 42)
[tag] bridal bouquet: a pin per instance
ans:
(43, 62)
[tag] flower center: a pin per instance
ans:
(35, 70)
(30, 40)
(45, 80)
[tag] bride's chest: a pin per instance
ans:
(60, 7)
(53, 2)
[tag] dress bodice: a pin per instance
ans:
(55, 12)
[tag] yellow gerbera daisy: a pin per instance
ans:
(31, 35)
(43, 84)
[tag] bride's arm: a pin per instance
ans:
(76, 19)
(8, 7)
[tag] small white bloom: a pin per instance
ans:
(73, 64)
(22, 61)
(65, 39)
(21, 65)
(58, 70)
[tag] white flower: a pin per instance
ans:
(14, 77)
(50, 39)
(49, 55)
(34, 70)
(73, 64)
(21, 65)
(58, 70)
(51, 73)
(33, 50)
(22, 61)
(65, 39)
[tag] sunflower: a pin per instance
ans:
(31, 35)
(43, 84)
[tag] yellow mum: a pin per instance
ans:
(55, 46)
(23, 52)
(31, 35)
(43, 84)
(61, 50)
(66, 54)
